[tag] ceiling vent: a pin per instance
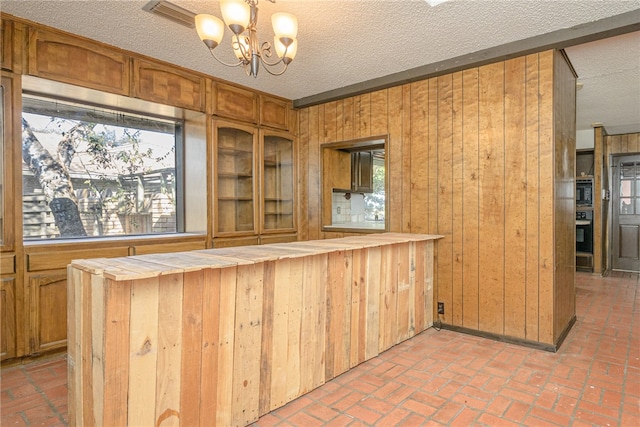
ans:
(172, 12)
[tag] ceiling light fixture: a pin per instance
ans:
(241, 17)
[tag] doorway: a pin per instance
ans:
(625, 236)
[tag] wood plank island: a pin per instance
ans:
(223, 336)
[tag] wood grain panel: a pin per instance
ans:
(444, 201)
(77, 61)
(546, 203)
(564, 133)
(52, 260)
(515, 198)
(406, 159)
(363, 115)
(144, 349)
(379, 110)
(533, 192)
(168, 247)
(470, 197)
(274, 112)
(313, 167)
(116, 339)
(419, 156)
(492, 176)
(305, 196)
(169, 342)
(8, 317)
(348, 119)
(6, 52)
(48, 324)
(191, 348)
(476, 166)
(7, 263)
(457, 205)
(394, 154)
(248, 335)
(167, 85)
(235, 103)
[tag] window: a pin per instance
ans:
(354, 182)
(90, 172)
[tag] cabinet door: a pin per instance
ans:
(235, 179)
(278, 182)
(235, 103)
(8, 317)
(167, 85)
(48, 311)
(362, 171)
(73, 60)
(274, 112)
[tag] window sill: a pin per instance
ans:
(146, 238)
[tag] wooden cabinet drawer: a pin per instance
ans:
(56, 259)
(167, 85)
(73, 60)
(278, 238)
(235, 241)
(235, 103)
(274, 112)
(169, 247)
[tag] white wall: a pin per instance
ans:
(584, 139)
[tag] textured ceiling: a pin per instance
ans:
(342, 43)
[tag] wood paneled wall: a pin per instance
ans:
(485, 157)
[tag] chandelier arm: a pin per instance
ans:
(266, 52)
(268, 70)
(246, 53)
(240, 62)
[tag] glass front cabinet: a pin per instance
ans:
(278, 179)
(253, 182)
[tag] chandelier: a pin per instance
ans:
(241, 17)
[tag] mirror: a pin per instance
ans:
(354, 178)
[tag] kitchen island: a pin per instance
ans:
(223, 336)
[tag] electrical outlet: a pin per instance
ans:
(440, 308)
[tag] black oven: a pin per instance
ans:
(584, 192)
(584, 231)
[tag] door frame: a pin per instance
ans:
(611, 199)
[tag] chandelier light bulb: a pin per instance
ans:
(285, 26)
(290, 51)
(210, 29)
(236, 14)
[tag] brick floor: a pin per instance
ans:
(441, 378)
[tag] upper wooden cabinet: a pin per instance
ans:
(167, 85)
(235, 171)
(235, 103)
(78, 61)
(278, 182)
(274, 112)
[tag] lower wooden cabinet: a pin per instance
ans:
(48, 311)
(7, 317)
